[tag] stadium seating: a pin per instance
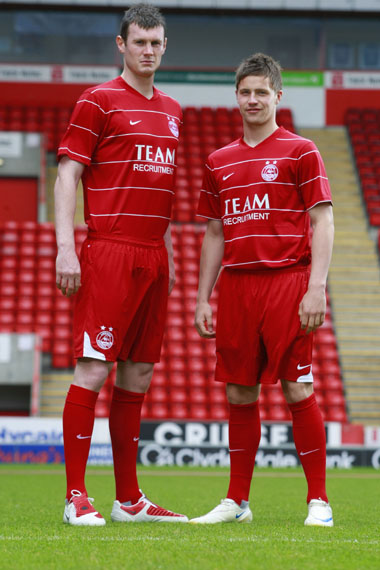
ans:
(52, 122)
(363, 126)
(183, 385)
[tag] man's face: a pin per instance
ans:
(257, 100)
(143, 49)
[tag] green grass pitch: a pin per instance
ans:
(32, 534)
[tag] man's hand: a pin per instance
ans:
(312, 309)
(203, 320)
(68, 272)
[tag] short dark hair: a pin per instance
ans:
(143, 15)
(262, 65)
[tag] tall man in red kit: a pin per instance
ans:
(122, 141)
(259, 195)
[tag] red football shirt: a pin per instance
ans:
(262, 195)
(128, 144)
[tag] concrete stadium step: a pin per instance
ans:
(51, 411)
(373, 414)
(360, 397)
(354, 297)
(365, 386)
(354, 284)
(53, 390)
(354, 365)
(359, 346)
(370, 338)
(344, 257)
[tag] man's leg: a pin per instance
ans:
(310, 441)
(244, 430)
(132, 382)
(244, 439)
(78, 423)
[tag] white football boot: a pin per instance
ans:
(144, 511)
(80, 512)
(320, 514)
(227, 511)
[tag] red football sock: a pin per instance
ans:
(310, 441)
(244, 440)
(78, 422)
(124, 422)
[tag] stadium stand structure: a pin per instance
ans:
(354, 283)
(52, 122)
(364, 130)
(183, 385)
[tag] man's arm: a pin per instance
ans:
(65, 189)
(169, 247)
(312, 308)
(210, 264)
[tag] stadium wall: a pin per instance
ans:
(196, 444)
(317, 99)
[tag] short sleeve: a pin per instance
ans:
(82, 134)
(312, 179)
(209, 200)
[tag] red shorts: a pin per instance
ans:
(258, 333)
(120, 308)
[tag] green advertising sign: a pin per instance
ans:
(216, 77)
(303, 78)
(291, 78)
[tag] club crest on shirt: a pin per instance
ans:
(270, 171)
(105, 338)
(173, 126)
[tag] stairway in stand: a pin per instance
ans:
(54, 387)
(354, 283)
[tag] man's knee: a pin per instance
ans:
(238, 394)
(134, 376)
(296, 391)
(91, 373)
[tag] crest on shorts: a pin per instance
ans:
(270, 171)
(105, 338)
(173, 126)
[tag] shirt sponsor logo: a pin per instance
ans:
(236, 206)
(270, 171)
(105, 338)
(247, 207)
(134, 122)
(148, 153)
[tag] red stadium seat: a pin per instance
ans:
(7, 320)
(159, 411)
(334, 398)
(102, 409)
(273, 396)
(198, 412)
(179, 396)
(62, 354)
(218, 412)
(178, 411)
(336, 414)
(278, 413)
